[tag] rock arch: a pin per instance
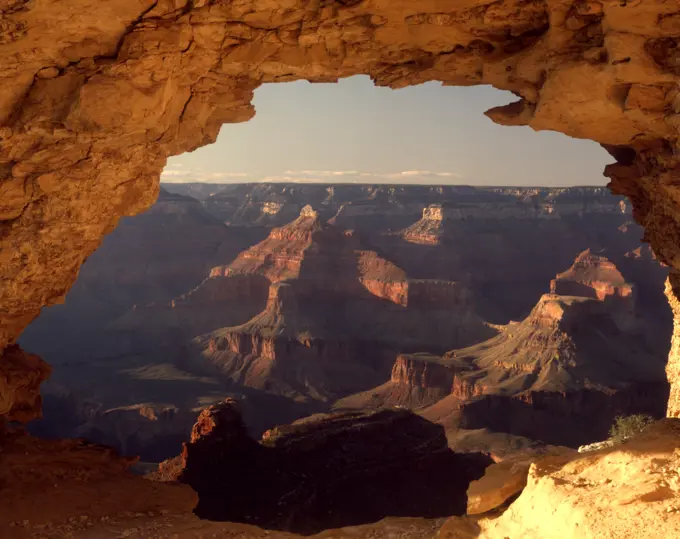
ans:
(95, 96)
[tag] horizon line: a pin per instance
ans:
(397, 184)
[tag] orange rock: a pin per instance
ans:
(630, 491)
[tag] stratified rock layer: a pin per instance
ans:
(323, 471)
(336, 317)
(94, 98)
(559, 376)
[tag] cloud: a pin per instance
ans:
(317, 175)
(321, 173)
(177, 173)
(429, 173)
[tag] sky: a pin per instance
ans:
(353, 131)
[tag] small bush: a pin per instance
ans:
(626, 426)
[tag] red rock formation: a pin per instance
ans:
(414, 371)
(20, 377)
(417, 380)
(323, 471)
(559, 376)
(279, 257)
(494, 241)
(591, 276)
(336, 323)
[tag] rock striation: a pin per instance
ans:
(88, 121)
(591, 275)
(493, 240)
(336, 316)
(149, 259)
(560, 376)
(325, 471)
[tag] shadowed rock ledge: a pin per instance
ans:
(325, 471)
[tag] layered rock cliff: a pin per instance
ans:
(417, 380)
(572, 357)
(560, 376)
(494, 241)
(337, 314)
(88, 121)
(150, 258)
(324, 471)
(591, 275)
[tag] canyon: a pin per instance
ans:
(315, 315)
(96, 97)
(581, 357)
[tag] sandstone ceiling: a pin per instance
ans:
(94, 96)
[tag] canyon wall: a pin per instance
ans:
(96, 97)
(673, 367)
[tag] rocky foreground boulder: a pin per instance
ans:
(325, 471)
(629, 491)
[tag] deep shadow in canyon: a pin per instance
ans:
(296, 308)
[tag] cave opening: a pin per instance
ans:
(132, 363)
(88, 122)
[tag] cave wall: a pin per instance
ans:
(94, 96)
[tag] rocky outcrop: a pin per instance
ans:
(673, 367)
(591, 275)
(504, 480)
(20, 377)
(417, 380)
(64, 488)
(570, 358)
(323, 471)
(560, 376)
(279, 257)
(336, 317)
(628, 491)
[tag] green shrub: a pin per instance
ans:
(626, 426)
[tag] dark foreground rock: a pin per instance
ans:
(326, 471)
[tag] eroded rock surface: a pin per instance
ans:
(324, 471)
(95, 98)
(629, 491)
(336, 317)
(559, 376)
(20, 377)
(60, 488)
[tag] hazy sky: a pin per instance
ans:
(353, 131)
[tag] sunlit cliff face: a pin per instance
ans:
(96, 97)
